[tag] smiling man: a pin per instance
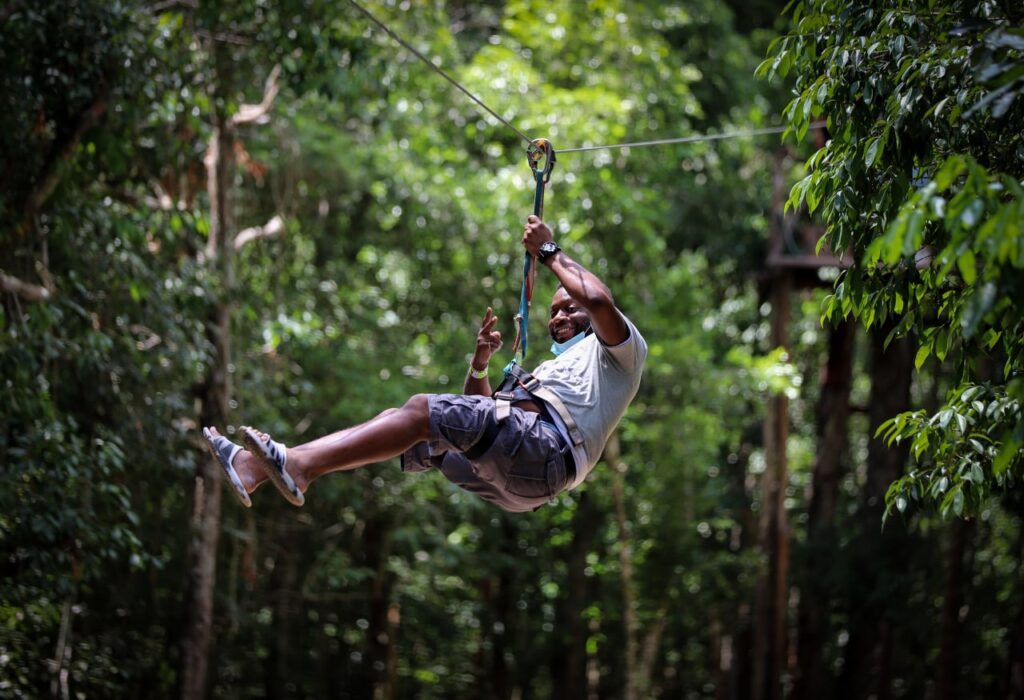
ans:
(541, 434)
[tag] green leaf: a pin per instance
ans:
(950, 171)
(978, 304)
(1006, 454)
(967, 266)
(922, 354)
(874, 150)
(912, 235)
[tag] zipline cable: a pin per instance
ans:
(440, 72)
(691, 139)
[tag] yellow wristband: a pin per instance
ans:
(482, 374)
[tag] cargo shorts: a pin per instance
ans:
(523, 467)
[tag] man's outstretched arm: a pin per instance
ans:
(488, 342)
(581, 284)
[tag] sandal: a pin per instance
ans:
(225, 450)
(272, 456)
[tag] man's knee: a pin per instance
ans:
(418, 404)
(418, 409)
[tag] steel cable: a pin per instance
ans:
(440, 72)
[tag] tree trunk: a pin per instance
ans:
(571, 672)
(376, 541)
(503, 606)
(613, 456)
(772, 593)
(215, 399)
(1015, 672)
(737, 648)
(881, 556)
(391, 666)
(649, 652)
(280, 678)
(815, 592)
(948, 666)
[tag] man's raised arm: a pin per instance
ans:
(580, 283)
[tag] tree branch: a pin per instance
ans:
(160, 199)
(249, 114)
(168, 4)
(225, 37)
(62, 153)
(25, 290)
(272, 228)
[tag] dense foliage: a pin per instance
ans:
(373, 213)
(921, 184)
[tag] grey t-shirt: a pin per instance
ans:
(596, 382)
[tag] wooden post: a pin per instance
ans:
(772, 592)
(771, 598)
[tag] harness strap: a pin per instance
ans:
(514, 374)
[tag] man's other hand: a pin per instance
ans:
(488, 340)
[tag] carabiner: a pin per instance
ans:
(538, 149)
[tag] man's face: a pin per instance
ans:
(568, 318)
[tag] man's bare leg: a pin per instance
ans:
(387, 435)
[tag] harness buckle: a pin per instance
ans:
(502, 405)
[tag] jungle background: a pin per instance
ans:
(267, 212)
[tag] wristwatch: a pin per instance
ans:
(547, 249)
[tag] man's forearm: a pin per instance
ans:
(579, 282)
(476, 387)
(592, 294)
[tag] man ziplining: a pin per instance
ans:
(517, 448)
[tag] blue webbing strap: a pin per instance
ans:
(541, 148)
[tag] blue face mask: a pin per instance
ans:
(558, 348)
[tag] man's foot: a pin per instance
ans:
(243, 472)
(273, 458)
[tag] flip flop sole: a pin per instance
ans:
(236, 483)
(275, 470)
